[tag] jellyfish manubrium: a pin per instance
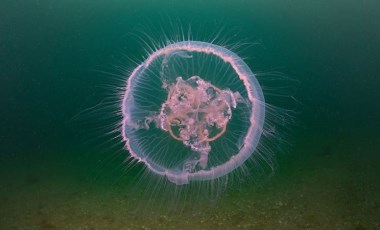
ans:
(192, 111)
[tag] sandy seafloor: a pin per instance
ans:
(323, 183)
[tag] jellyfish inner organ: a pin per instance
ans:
(196, 113)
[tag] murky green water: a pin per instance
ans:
(57, 59)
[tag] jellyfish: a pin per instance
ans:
(192, 111)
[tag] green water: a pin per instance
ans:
(54, 60)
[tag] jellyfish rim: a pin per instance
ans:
(257, 115)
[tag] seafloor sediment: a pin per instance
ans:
(322, 183)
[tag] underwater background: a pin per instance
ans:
(55, 60)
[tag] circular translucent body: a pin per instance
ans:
(192, 111)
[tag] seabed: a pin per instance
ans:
(322, 184)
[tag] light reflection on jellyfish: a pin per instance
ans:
(192, 111)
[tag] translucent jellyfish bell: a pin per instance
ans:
(192, 111)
